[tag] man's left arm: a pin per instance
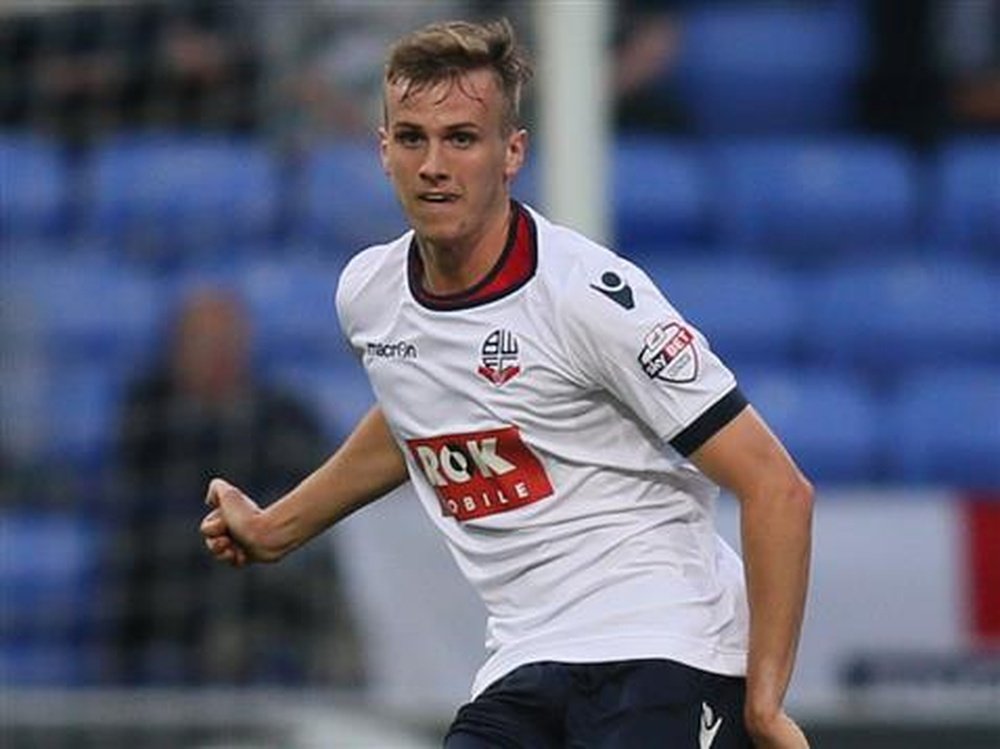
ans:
(776, 527)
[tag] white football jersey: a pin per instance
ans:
(545, 416)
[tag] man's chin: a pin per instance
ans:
(438, 232)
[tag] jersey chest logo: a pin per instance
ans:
(476, 474)
(500, 359)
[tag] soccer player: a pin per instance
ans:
(566, 429)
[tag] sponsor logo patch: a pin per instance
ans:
(500, 360)
(614, 288)
(481, 473)
(669, 354)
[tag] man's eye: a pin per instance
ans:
(408, 138)
(463, 140)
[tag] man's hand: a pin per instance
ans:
(228, 527)
(777, 732)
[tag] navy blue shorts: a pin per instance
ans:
(620, 705)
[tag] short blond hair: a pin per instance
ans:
(442, 52)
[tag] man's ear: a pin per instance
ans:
(517, 151)
(383, 148)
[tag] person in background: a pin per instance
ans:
(182, 620)
(935, 69)
(325, 61)
(648, 38)
(80, 70)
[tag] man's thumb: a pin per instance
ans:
(221, 491)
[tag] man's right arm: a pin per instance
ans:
(367, 466)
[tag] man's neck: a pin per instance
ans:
(454, 268)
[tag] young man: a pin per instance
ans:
(565, 429)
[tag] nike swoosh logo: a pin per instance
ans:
(708, 727)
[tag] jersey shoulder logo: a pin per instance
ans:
(669, 353)
(476, 474)
(614, 288)
(500, 359)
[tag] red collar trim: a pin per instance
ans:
(515, 267)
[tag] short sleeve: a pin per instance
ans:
(624, 336)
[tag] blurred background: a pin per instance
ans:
(815, 184)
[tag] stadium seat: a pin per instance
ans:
(164, 196)
(48, 575)
(945, 427)
(966, 196)
(34, 187)
(750, 311)
(812, 200)
(347, 201)
(87, 309)
(80, 417)
(891, 317)
(292, 307)
(829, 421)
(748, 68)
(658, 194)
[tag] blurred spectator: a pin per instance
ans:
(648, 36)
(969, 44)
(207, 64)
(182, 619)
(935, 68)
(83, 68)
(327, 59)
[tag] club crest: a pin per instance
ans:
(500, 357)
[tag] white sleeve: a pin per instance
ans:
(625, 337)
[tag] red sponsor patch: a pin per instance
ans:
(481, 473)
(669, 354)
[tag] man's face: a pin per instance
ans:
(211, 349)
(449, 156)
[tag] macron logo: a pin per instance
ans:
(395, 350)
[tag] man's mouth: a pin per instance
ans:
(437, 197)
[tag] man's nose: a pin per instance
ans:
(433, 167)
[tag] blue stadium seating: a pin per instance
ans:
(891, 317)
(750, 311)
(966, 196)
(83, 325)
(783, 253)
(347, 202)
(292, 305)
(161, 195)
(659, 194)
(34, 187)
(748, 68)
(50, 597)
(80, 418)
(828, 420)
(807, 199)
(944, 428)
(87, 308)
